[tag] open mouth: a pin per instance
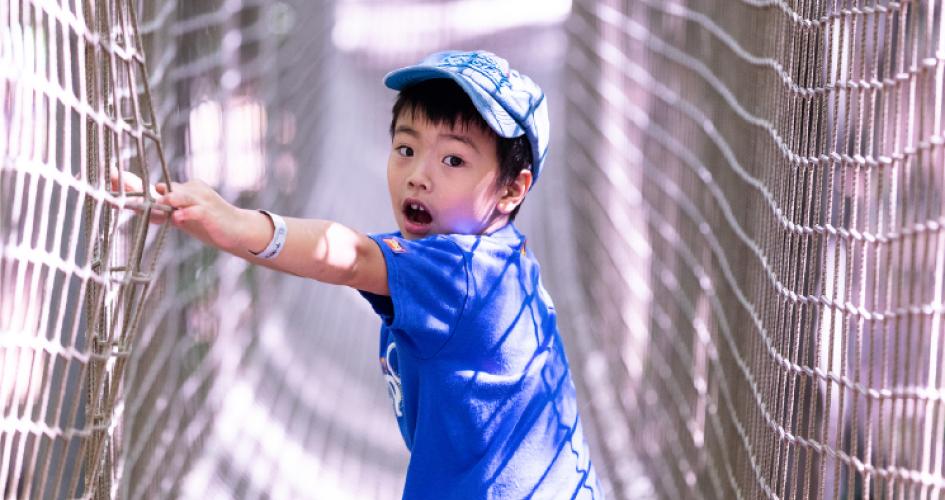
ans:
(416, 213)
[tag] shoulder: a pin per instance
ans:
(471, 250)
(502, 248)
(435, 247)
(436, 261)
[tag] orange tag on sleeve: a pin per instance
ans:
(394, 245)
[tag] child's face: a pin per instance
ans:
(443, 179)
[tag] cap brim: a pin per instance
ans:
(491, 110)
(405, 77)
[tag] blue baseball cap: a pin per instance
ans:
(510, 102)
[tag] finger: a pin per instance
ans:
(158, 217)
(165, 187)
(184, 215)
(177, 199)
(130, 181)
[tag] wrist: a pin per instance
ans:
(256, 233)
(279, 231)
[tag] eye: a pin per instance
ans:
(406, 151)
(453, 161)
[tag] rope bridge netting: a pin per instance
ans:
(762, 183)
(743, 223)
(77, 262)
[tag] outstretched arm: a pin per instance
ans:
(319, 249)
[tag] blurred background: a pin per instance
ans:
(740, 223)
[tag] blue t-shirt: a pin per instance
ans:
(477, 372)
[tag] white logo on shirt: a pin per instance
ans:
(393, 380)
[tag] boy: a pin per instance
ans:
(469, 346)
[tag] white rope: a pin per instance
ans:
(654, 100)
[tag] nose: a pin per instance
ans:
(419, 177)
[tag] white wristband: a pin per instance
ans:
(278, 238)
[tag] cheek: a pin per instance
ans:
(488, 196)
(391, 184)
(471, 210)
(391, 175)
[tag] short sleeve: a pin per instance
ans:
(429, 283)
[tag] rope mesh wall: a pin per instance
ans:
(759, 189)
(762, 185)
(77, 264)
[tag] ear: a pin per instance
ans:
(514, 193)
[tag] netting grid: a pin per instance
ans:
(765, 183)
(743, 212)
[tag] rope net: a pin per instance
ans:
(762, 188)
(76, 262)
(748, 263)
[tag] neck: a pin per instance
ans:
(498, 222)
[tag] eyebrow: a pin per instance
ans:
(461, 138)
(404, 129)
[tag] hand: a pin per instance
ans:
(195, 208)
(133, 184)
(202, 213)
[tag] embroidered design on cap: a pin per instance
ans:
(485, 66)
(394, 245)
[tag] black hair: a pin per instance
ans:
(443, 101)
